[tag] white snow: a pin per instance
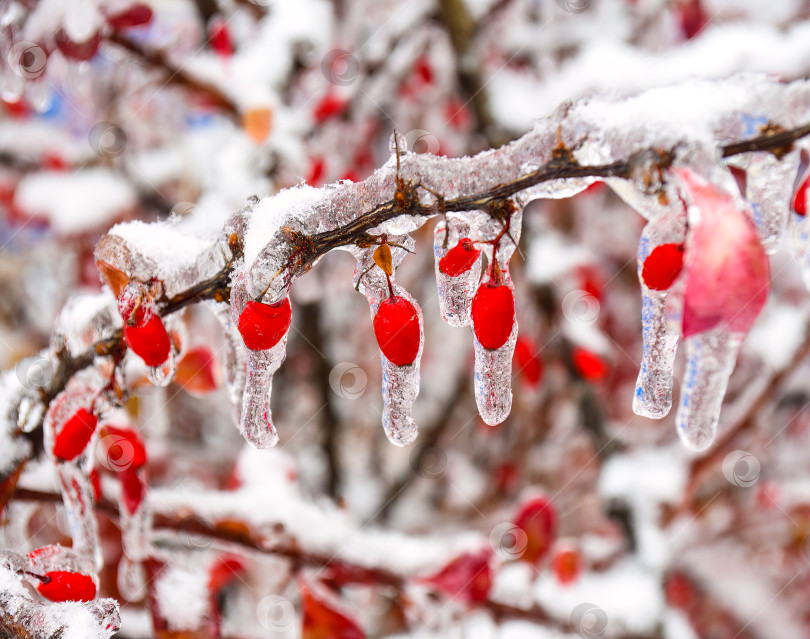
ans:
(86, 200)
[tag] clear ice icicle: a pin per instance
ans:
(463, 261)
(163, 375)
(400, 383)
(653, 393)
(256, 424)
(769, 186)
(710, 359)
(234, 360)
(493, 366)
(77, 495)
(131, 580)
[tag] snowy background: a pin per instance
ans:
(335, 532)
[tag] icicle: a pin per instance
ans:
(234, 360)
(163, 375)
(769, 186)
(135, 542)
(400, 383)
(77, 491)
(131, 580)
(77, 494)
(457, 288)
(710, 359)
(256, 424)
(660, 331)
(799, 224)
(493, 366)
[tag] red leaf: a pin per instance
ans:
(321, 620)
(537, 518)
(467, 578)
(197, 371)
(727, 271)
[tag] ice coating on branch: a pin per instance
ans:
(400, 384)
(84, 320)
(456, 293)
(660, 312)
(710, 359)
(493, 368)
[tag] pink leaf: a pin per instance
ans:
(727, 272)
(467, 578)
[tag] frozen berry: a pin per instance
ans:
(67, 586)
(566, 563)
(460, 258)
(527, 360)
(590, 366)
(493, 314)
(662, 266)
(800, 199)
(150, 341)
(77, 50)
(263, 325)
(134, 16)
(75, 434)
(396, 327)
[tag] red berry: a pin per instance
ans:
(567, 563)
(493, 314)
(131, 489)
(528, 361)
(679, 591)
(67, 586)
(220, 37)
(662, 266)
(75, 435)
(396, 327)
(460, 258)
(537, 518)
(800, 199)
(77, 50)
(590, 367)
(134, 16)
(125, 448)
(150, 342)
(95, 484)
(263, 325)
(330, 106)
